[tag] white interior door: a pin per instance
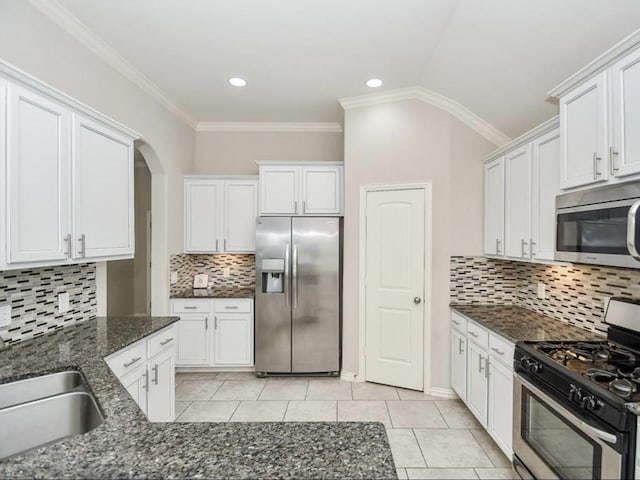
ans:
(395, 272)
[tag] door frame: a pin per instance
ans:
(427, 188)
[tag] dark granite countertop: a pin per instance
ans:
(216, 292)
(517, 323)
(127, 445)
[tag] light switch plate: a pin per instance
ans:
(541, 291)
(173, 278)
(63, 302)
(226, 272)
(5, 315)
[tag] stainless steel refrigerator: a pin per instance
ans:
(298, 295)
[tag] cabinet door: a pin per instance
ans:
(518, 202)
(193, 340)
(545, 187)
(459, 364)
(240, 212)
(38, 161)
(233, 339)
(321, 190)
(279, 190)
(202, 216)
(583, 130)
(624, 153)
(494, 207)
(477, 382)
(137, 384)
(161, 401)
(103, 191)
(501, 406)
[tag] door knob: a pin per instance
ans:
(417, 300)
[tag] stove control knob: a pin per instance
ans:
(591, 403)
(575, 394)
(535, 367)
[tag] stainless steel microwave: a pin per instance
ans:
(600, 226)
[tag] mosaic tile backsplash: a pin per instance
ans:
(573, 293)
(33, 296)
(242, 270)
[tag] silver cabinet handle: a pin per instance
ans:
(486, 367)
(532, 244)
(146, 381)
(83, 241)
(67, 240)
(480, 367)
(304, 207)
(460, 344)
(612, 160)
(498, 243)
(523, 243)
(631, 230)
(189, 308)
(133, 360)
(417, 300)
(206, 323)
(231, 307)
(166, 341)
(455, 322)
(499, 352)
(596, 159)
(473, 334)
(287, 248)
(294, 279)
(216, 244)
(215, 323)
(295, 207)
(155, 373)
(224, 244)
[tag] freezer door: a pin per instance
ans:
(315, 294)
(273, 310)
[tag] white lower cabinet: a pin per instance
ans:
(147, 370)
(482, 375)
(214, 332)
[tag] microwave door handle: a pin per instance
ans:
(631, 230)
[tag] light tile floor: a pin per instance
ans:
(429, 437)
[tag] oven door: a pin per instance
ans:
(554, 443)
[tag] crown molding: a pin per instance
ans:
(604, 61)
(425, 95)
(72, 25)
(317, 127)
(526, 137)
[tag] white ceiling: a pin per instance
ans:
(496, 57)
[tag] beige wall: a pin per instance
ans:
(36, 45)
(412, 142)
(235, 153)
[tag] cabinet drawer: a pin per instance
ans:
(191, 306)
(162, 340)
(125, 361)
(501, 349)
(233, 305)
(458, 322)
(478, 335)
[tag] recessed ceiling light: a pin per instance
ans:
(373, 83)
(238, 82)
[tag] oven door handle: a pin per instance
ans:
(607, 437)
(631, 230)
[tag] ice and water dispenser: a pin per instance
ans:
(273, 275)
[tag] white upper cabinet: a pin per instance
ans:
(321, 190)
(624, 152)
(301, 188)
(202, 213)
(518, 202)
(66, 178)
(38, 143)
(583, 129)
(545, 187)
(220, 214)
(103, 186)
(240, 212)
(494, 207)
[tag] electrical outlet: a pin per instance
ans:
(63, 302)
(173, 278)
(605, 303)
(542, 291)
(5, 315)
(226, 272)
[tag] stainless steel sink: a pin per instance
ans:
(22, 391)
(40, 422)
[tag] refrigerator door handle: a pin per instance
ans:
(286, 274)
(294, 279)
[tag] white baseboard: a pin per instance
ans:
(443, 392)
(350, 376)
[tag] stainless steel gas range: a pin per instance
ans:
(576, 403)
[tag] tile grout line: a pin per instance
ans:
(216, 390)
(413, 432)
(442, 415)
(234, 411)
